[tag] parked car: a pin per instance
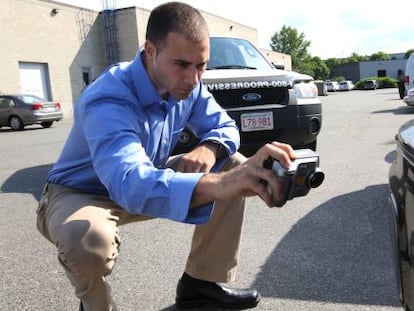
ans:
(346, 85)
(401, 204)
(370, 84)
(332, 86)
(322, 88)
(267, 103)
(409, 73)
(19, 110)
(409, 98)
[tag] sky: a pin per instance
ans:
(335, 28)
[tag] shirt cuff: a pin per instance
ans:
(182, 188)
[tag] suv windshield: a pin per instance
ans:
(233, 53)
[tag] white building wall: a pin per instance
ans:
(70, 42)
(31, 33)
(371, 68)
(127, 30)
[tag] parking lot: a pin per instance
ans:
(330, 250)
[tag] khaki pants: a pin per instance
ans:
(84, 228)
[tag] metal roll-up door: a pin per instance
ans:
(34, 79)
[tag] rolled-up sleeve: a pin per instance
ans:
(197, 215)
(130, 177)
(210, 121)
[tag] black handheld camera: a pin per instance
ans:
(303, 174)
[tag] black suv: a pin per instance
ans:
(267, 104)
(401, 205)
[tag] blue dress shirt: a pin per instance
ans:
(122, 135)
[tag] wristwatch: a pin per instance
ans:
(220, 150)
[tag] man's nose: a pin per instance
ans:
(193, 75)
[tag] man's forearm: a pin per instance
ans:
(205, 190)
(217, 148)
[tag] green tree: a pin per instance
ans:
(289, 41)
(331, 63)
(379, 56)
(408, 53)
(319, 69)
(354, 58)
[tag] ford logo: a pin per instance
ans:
(251, 97)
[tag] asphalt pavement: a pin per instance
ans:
(329, 250)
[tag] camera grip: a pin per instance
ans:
(285, 182)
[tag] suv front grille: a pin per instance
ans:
(234, 98)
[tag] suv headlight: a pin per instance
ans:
(305, 90)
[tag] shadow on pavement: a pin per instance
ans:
(397, 111)
(28, 180)
(338, 253)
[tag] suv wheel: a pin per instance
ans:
(15, 123)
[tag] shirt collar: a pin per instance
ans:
(146, 91)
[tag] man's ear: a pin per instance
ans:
(150, 49)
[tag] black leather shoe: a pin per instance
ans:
(194, 293)
(81, 307)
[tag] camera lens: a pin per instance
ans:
(316, 179)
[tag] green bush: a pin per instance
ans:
(388, 82)
(339, 78)
(383, 82)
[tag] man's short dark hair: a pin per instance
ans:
(175, 17)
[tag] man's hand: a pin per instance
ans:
(248, 179)
(199, 160)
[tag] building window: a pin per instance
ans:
(381, 73)
(86, 76)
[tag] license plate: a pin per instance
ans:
(48, 109)
(257, 121)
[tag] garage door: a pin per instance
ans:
(34, 79)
